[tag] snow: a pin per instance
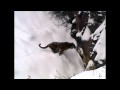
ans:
(86, 34)
(100, 28)
(92, 36)
(91, 20)
(67, 17)
(96, 37)
(74, 30)
(100, 47)
(91, 53)
(32, 28)
(74, 20)
(99, 73)
(100, 15)
(81, 50)
(69, 25)
(96, 34)
(93, 43)
(90, 63)
(79, 12)
(79, 34)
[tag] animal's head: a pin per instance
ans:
(73, 45)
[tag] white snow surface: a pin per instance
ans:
(79, 34)
(32, 28)
(86, 34)
(98, 30)
(100, 46)
(90, 63)
(99, 73)
(74, 20)
(91, 20)
(100, 15)
(79, 12)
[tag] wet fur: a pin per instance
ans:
(59, 47)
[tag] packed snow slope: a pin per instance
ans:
(32, 28)
(99, 73)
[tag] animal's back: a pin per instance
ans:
(60, 46)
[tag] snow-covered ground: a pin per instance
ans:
(99, 73)
(32, 28)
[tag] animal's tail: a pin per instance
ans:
(43, 47)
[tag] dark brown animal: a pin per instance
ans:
(59, 47)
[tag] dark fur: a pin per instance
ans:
(59, 47)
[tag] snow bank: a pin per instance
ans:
(99, 73)
(100, 46)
